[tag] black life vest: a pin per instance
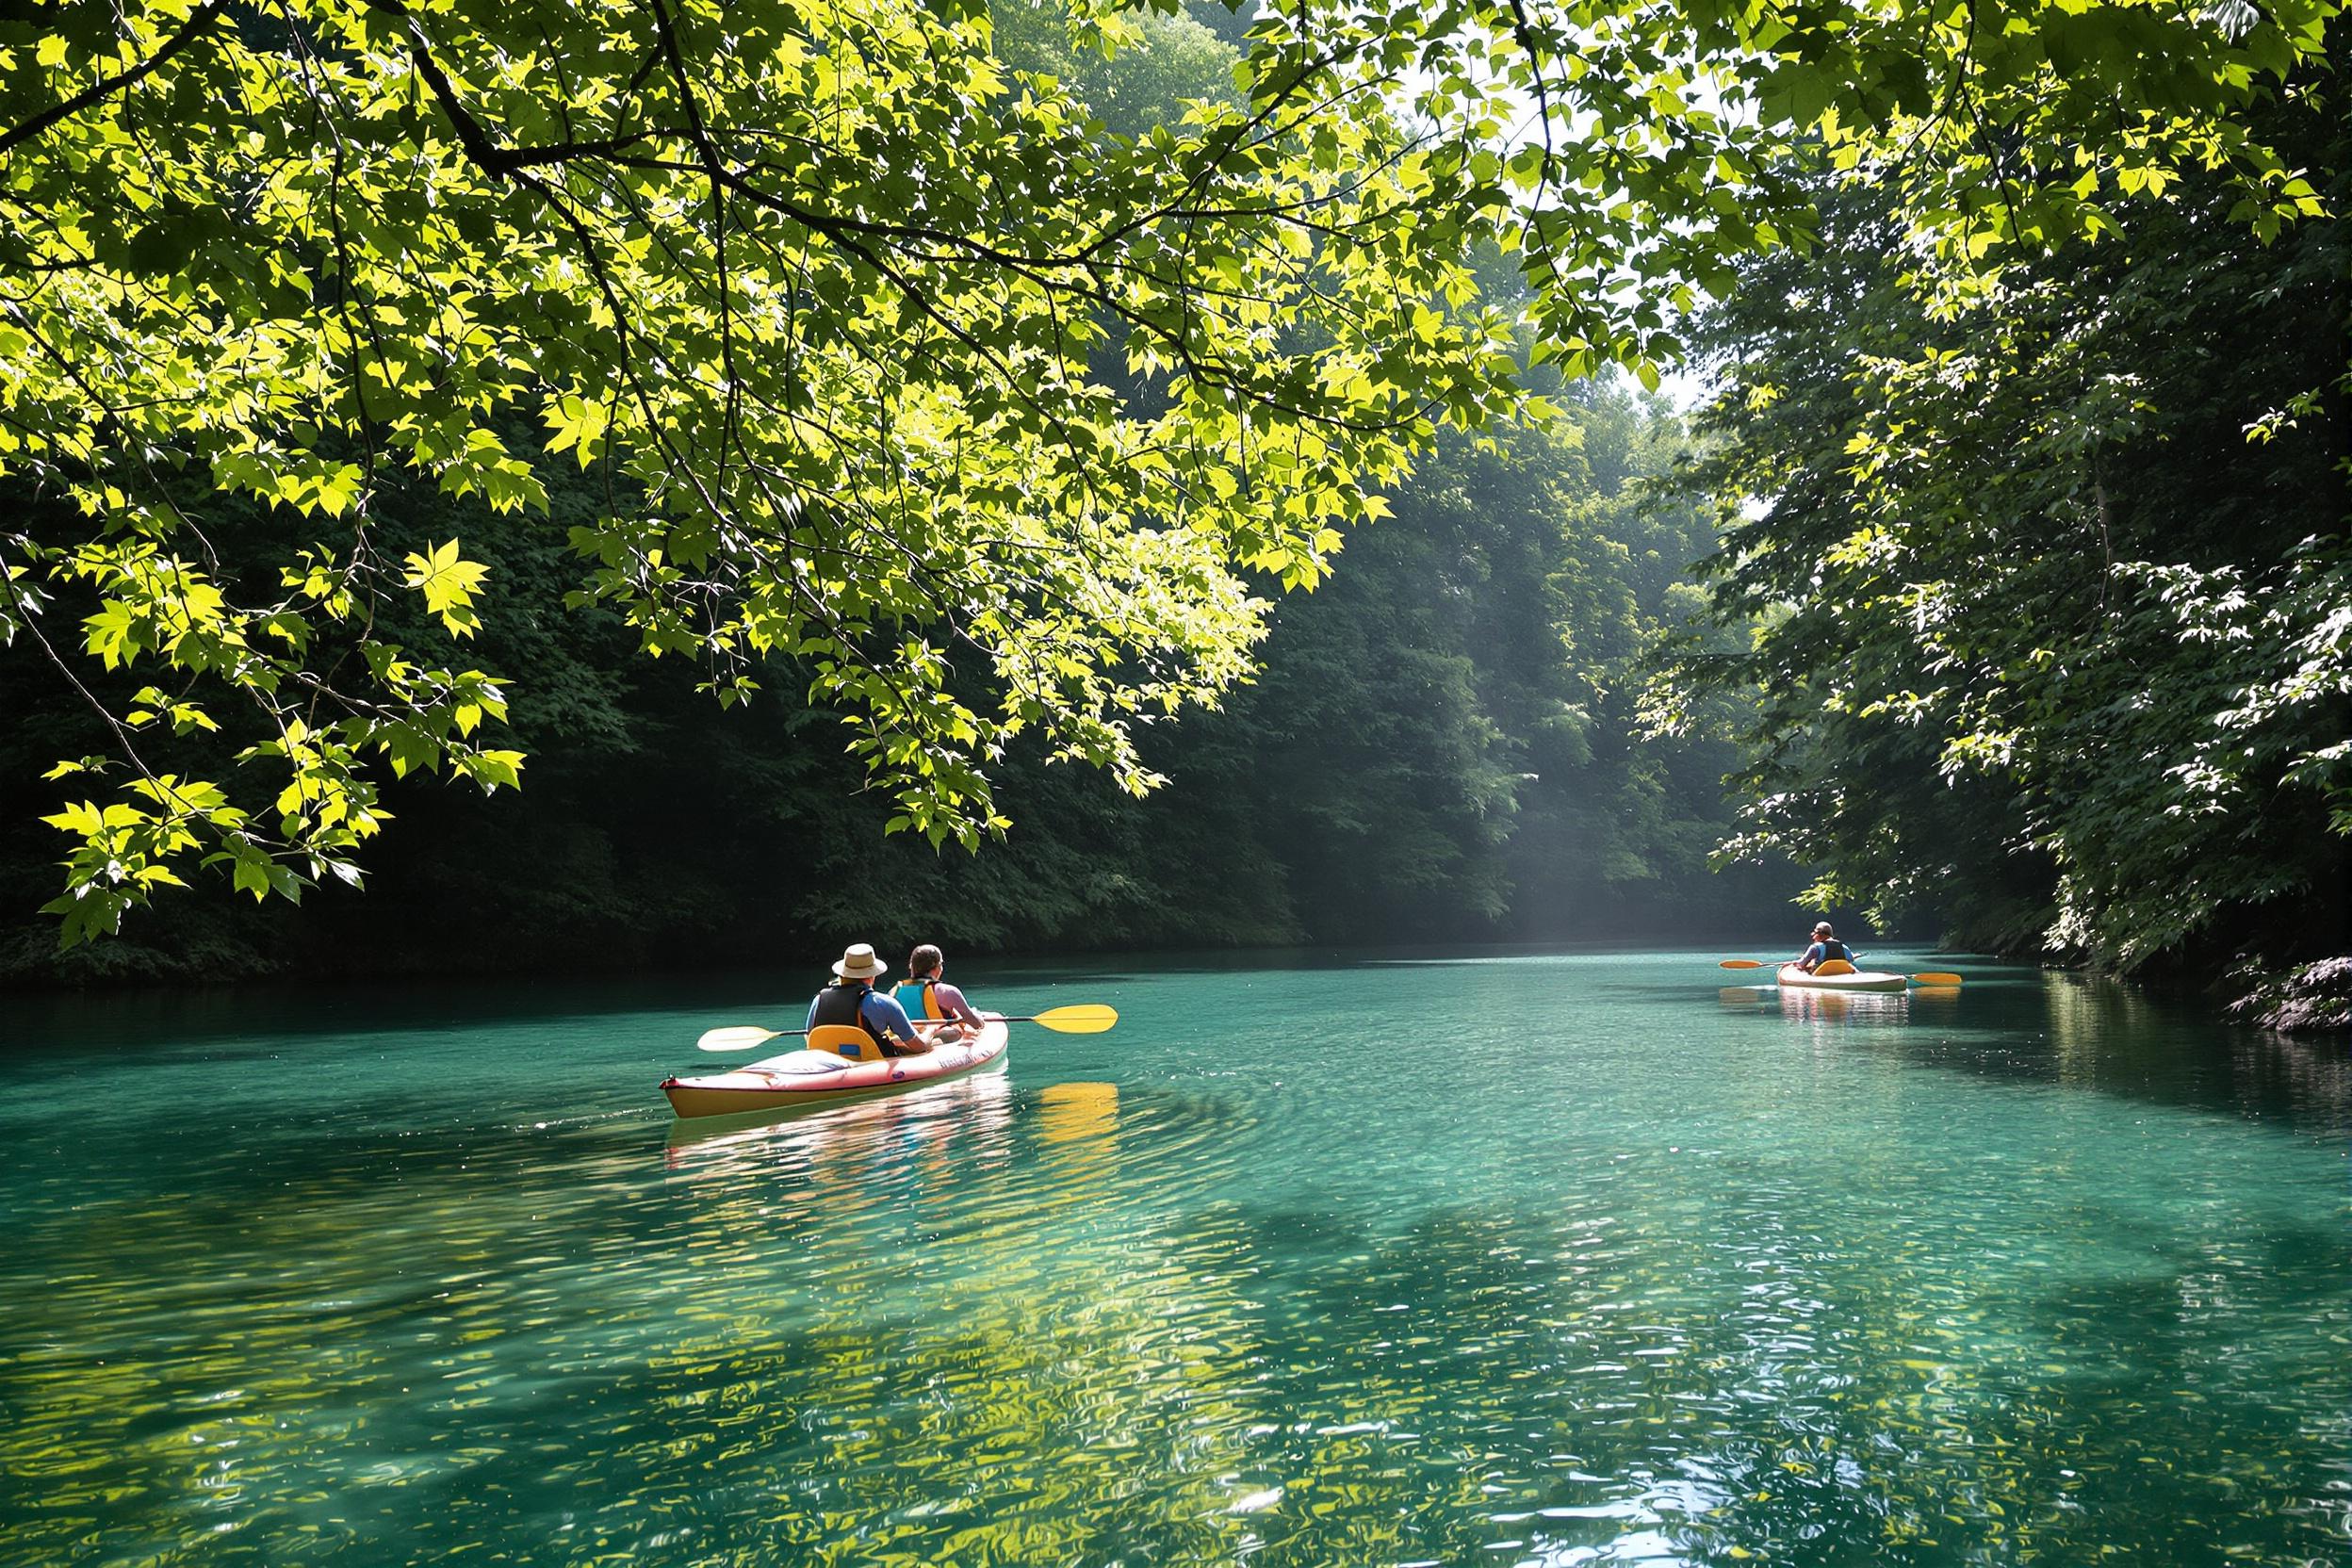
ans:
(846, 1005)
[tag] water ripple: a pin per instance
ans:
(1672, 1283)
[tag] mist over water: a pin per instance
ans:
(1571, 1258)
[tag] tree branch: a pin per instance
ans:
(198, 24)
(491, 158)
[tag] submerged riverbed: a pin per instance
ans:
(1557, 1259)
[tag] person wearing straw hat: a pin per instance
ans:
(851, 999)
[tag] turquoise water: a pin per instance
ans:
(1566, 1259)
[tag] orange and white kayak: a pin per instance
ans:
(1837, 975)
(800, 1078)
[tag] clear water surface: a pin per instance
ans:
(1557, 1259)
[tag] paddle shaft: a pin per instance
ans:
(1080, 1019)
(767, 1035)
(919, 1024)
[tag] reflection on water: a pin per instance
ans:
(1808, 1006)
(1292, 1270)
(1084, 1115)
(758, 1141)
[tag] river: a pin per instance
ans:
(1470, 1259)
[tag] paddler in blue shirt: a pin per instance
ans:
(851, 999)
(1825, 947)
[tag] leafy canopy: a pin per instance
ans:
(901, 368)
(2047, 571)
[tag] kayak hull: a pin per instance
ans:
(1860, 980)
(804, 1077)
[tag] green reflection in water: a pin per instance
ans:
(1576, 1259)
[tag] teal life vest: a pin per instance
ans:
(923, 1003)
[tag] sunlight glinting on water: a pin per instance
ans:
(1578, 1259)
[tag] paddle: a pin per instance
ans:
(1082, 1018)
(1930, 977)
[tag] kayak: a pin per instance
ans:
(1852, 980)
(800, 1078)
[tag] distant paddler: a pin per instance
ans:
(1825, 947)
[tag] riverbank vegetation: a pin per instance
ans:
(812, 448)
(2050, 566)
(1444, 743)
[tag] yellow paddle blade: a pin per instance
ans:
(1935, 979)
(1738, 963)
(1085, 1018)
(741, 1038)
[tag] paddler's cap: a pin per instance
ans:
(1820, 930)
(859, 963)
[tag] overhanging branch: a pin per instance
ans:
(198, 24)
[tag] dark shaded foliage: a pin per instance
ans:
(2052, 570)
(1441, 746)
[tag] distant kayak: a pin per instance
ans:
(800, 1078)
(1852, 980)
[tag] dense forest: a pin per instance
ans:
(1141, 480)
(2052, 578)
(1443, 743)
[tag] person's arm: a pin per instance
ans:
(885, 1014)
(952, 1003)
(812, 1013)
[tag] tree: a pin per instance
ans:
(825, 299)
(1438, 745)
(2050, 563)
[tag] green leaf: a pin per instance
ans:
(447, 583)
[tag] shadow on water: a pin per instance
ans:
(2062, 1030)
(232, 1018)
(241, 1021)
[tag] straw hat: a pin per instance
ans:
(859, 963)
